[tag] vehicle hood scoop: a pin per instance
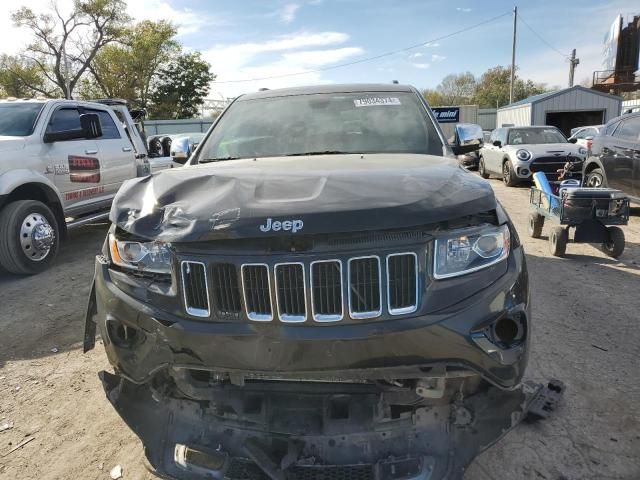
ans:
(298, 196)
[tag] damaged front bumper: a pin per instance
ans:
(317, 431)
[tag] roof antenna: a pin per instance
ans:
(395, 82)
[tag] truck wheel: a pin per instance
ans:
(615, 246)
(482, 169)
(595, 179)
(558, 239)
(508, 177)
(29, 237)
(536, 222)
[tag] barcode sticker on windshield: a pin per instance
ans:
(376, 101)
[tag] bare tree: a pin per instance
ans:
(65, 45)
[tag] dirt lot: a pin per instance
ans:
(586, 309)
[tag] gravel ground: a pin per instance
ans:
(585, 333)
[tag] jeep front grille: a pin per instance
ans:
(225, 289)
(196, 293)
(326, 290)
(290, 292)
(296, 292)
(365, 295)
(402, 283)
(257, 292)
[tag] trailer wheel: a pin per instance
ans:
(29, 237)
(615, 246)
(536, 222)
(558, 239)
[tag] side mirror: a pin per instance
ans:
(90, 127)
(179, 157)
(468, 138)
(573, 140)
(497, 143)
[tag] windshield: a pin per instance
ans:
(18, 119)
(533, 136)
(376, 122)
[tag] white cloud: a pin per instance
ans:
(432, 44)
(416, 55)
(294, 53)
(461, 9)
(437, 58)
(186, 20)
(421, 66)
(288, 13)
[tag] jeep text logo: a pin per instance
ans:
(286, 225)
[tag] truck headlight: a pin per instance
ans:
(523, 155)
(146, 256)
(582, 151)
(470, 250)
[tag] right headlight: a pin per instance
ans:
(145, 256)
(523, 154)
(466, 251)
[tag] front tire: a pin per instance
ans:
(595, 179)
(508, 177)
(482, 170)
(615, 246)
(29, 237)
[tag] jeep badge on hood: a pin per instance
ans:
(286, 225)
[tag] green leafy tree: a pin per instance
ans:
(182, 86)
(457, 88)
(128, 69)
(63, 47)
(21, 78)
(492, 89)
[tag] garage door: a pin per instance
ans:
(565, 121)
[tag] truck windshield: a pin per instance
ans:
(18, 119)
(363, 122)
(532, 136)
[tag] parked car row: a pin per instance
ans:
(611, 153)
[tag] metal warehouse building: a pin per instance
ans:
(566, 109)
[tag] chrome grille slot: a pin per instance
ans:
(257, 292)
(196, 294)
(290, 292)
(326, 290)
(365, 293)
(225, 289)
(402, 283)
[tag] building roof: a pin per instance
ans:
(543, 96)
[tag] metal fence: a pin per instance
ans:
(189, 125)
(487, 118)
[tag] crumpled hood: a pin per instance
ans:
(298, 195)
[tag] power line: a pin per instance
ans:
(542, 38)
(369, 59)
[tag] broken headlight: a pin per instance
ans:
(146, 256)
(470, 250)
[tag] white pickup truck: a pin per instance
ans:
(61, 164)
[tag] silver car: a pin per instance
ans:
(515, 153)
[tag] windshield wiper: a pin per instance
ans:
(324, 152)
(220, 159)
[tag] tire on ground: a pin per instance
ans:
(508, 177)
(482, 170)
(536, 222)
(615, 246)
(12, 256)
(558, 239)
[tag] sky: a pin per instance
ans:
(252, 39)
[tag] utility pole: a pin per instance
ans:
(573, 63)
(513, 54)
(67, 85)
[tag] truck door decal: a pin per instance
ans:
(84, 169)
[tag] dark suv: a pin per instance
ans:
(614, 160)
(322, 292)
